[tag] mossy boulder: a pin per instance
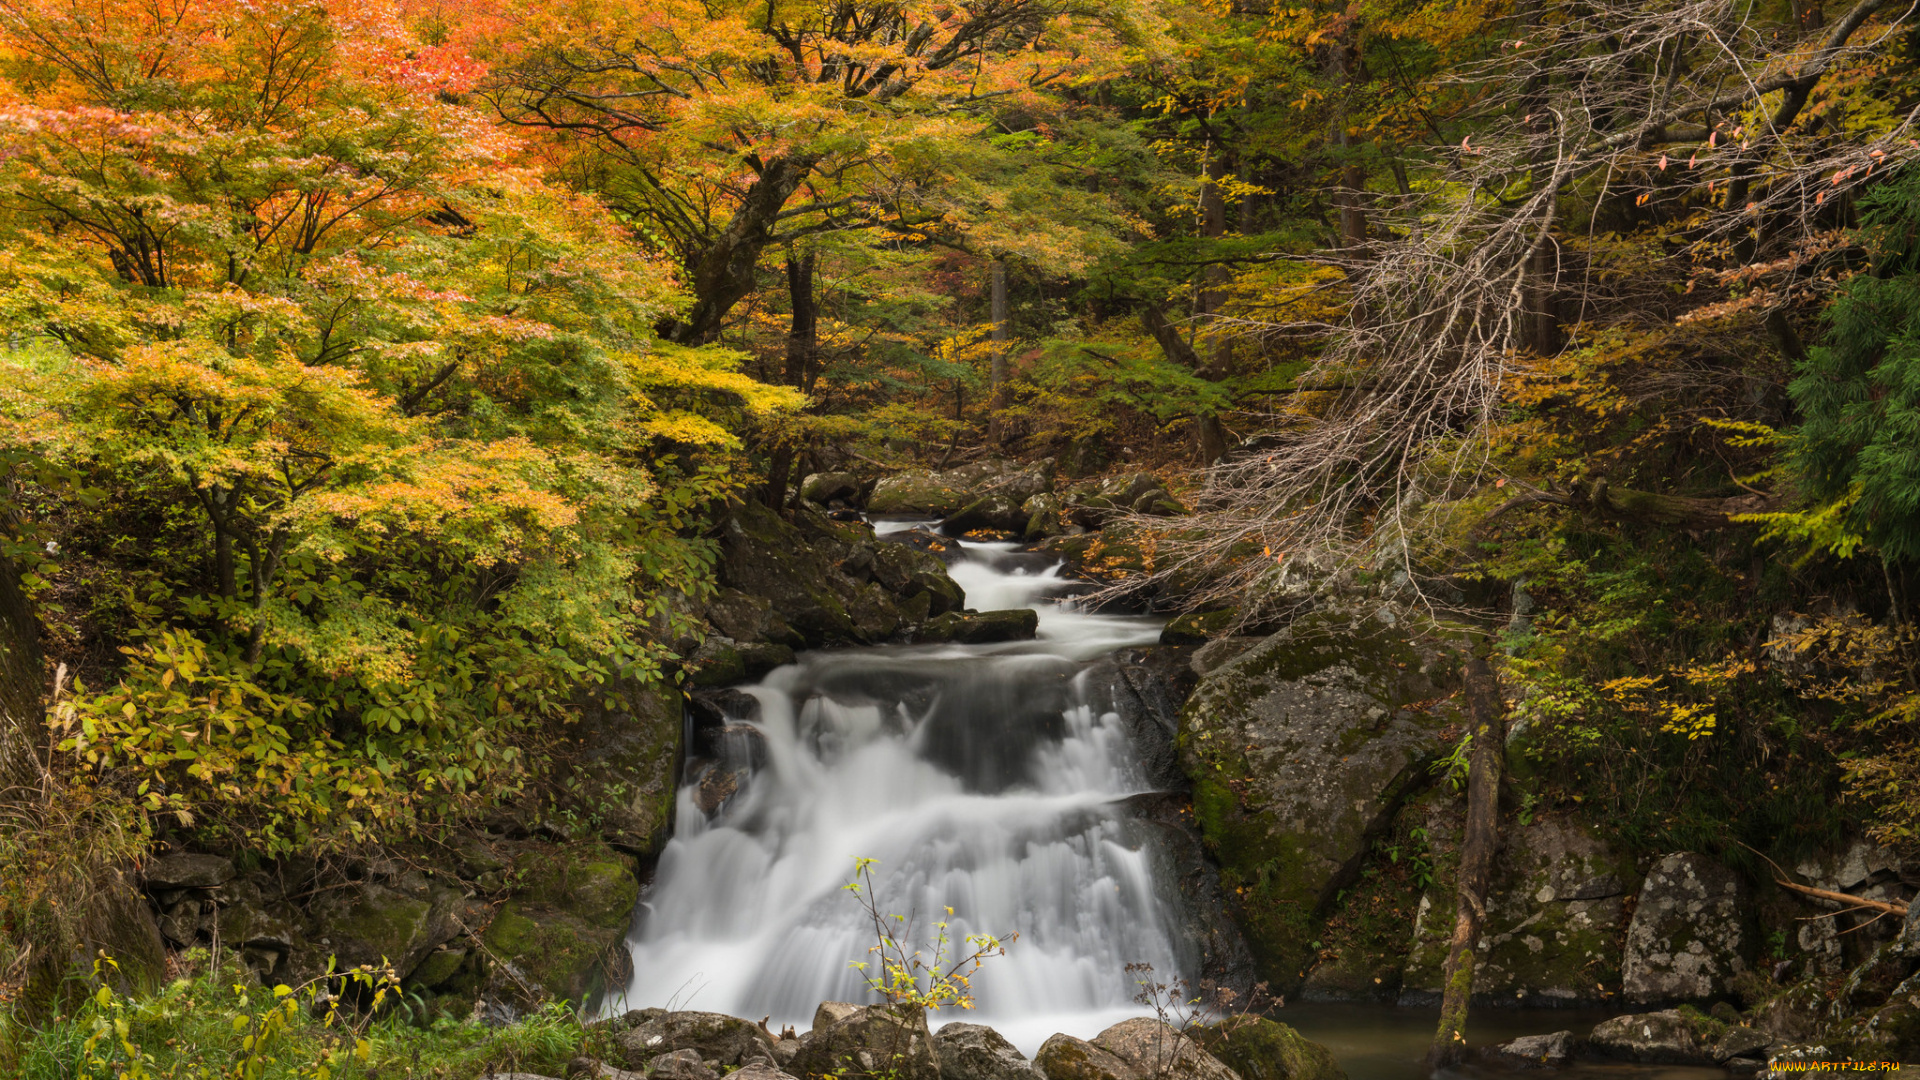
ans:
(561, 934)
(373, 923)
(980, 627)
(908, 572)
(1300, 750)
(726, 1041)
(626, 759)
(867, 1043)
(1064, 1057)
(1556, 912)
(977, 1052)
(919, 493)
(1681, 1036)
(1158, 1050)
(829, 487)
(990, 513)
(1689, 936)
(1257, 1048)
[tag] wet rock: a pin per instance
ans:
(1064, 1057)
(797, 568)
(1257, 1048)
(944, 548)
(1531, 1050)
(977, 1052)
(1300, 751)
(188, 872)
(563, 929)
(989, 513)
(1043, 518)
(909, 572)
(1556, 911)
(1667, 1038)
(828, 487)
(980, 628)
(1681, 1036)
(870, 1041)
(1156, 1049)
(726, 1041)
(1688, 933)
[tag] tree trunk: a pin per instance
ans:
(997, 372)
(22, 719)
(1350, 193)
(1477, 849)
(803, 336)
(1210, 439)
(724, 271)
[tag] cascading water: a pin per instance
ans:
(984, 779)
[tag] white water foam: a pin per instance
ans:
(983, 779)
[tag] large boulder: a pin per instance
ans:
(1064, 1057)
(1300, 751)
(724, 1042)
(977, 1052)
(867, 1041)
(1534, 1050)
(561, 934)
(1156, 1049)
(1257, 1048)
(909, 572)
(919, 493)
(1674, 1037)
(980, 627)
(1861, 869)
(627, 752)
(989, 513)
(830, 487)
(1689, 935)
(829, 582)
(1556, 912)
(1892, 1032)
(188, 871)
(379, 924)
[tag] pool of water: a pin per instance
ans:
(1382, 1042)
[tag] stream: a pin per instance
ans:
(985, 779)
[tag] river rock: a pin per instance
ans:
(743, 617)
(1300, 751)
(1043, 517)
(188, 871)
(977, 1052)
(725, 1041)
(829, 487)
(938, 494)
(869, 1041)
(562, 931)
(1675, 1037)
(989, 513)
(1156, 1049)
(1556, 911)
(981, 628)
(1688, 934)
(1257, 1048)
(1534, 1050)
(1064, 1057)
(1892, 1032)
(909, 572)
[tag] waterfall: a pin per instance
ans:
(984, 779)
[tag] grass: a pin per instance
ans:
(219, 1024)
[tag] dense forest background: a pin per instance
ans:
(375, 374)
